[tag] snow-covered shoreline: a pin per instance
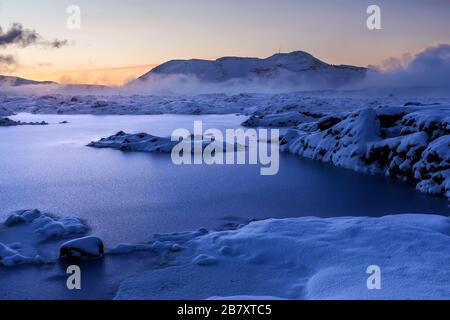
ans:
(411, 143)
(290, 258)
(305, 258)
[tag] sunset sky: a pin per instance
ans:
(120, 40)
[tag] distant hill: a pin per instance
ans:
(297, 66)
(11, 81)
(17, 81)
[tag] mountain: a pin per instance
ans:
(295, 67)
(17, 81)
(11, 81)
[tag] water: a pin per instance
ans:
(127, 197)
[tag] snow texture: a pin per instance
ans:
(307, 258)
(23, 231)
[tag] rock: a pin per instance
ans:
(205, 260)
(82, 248)
(6, 122)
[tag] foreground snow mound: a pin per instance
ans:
(403, 142)
(24, 231)
(82, 248)
(6, 122)
(308, 258)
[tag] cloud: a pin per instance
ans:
(22, 37)
(8, 63)
(7, 59)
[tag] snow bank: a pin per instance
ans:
(24, 231)
(410, 143)
(307, 258)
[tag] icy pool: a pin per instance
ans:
(127, 197)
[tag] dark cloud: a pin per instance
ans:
(7, 59)
(22, 37)
(8, 63)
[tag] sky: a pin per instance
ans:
(121, 40)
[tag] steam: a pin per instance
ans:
(429, 68)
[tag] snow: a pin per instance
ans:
(143, 142)
(45, 226)
(24, 231)
(410, 143)
(82, 248)
(10, 257)
(135, 142)
(257, 104)
(307, 258)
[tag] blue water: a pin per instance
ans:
(127, 197)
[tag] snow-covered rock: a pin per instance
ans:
(6, 122)
(82, 248)
(402, 142)
(135, 142)
(45, 226)
(307, 258)
(24, 231)
(143, 142)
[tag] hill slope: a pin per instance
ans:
(294, 67)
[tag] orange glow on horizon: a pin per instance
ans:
(112, 76)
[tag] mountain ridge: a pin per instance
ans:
(293, 66)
